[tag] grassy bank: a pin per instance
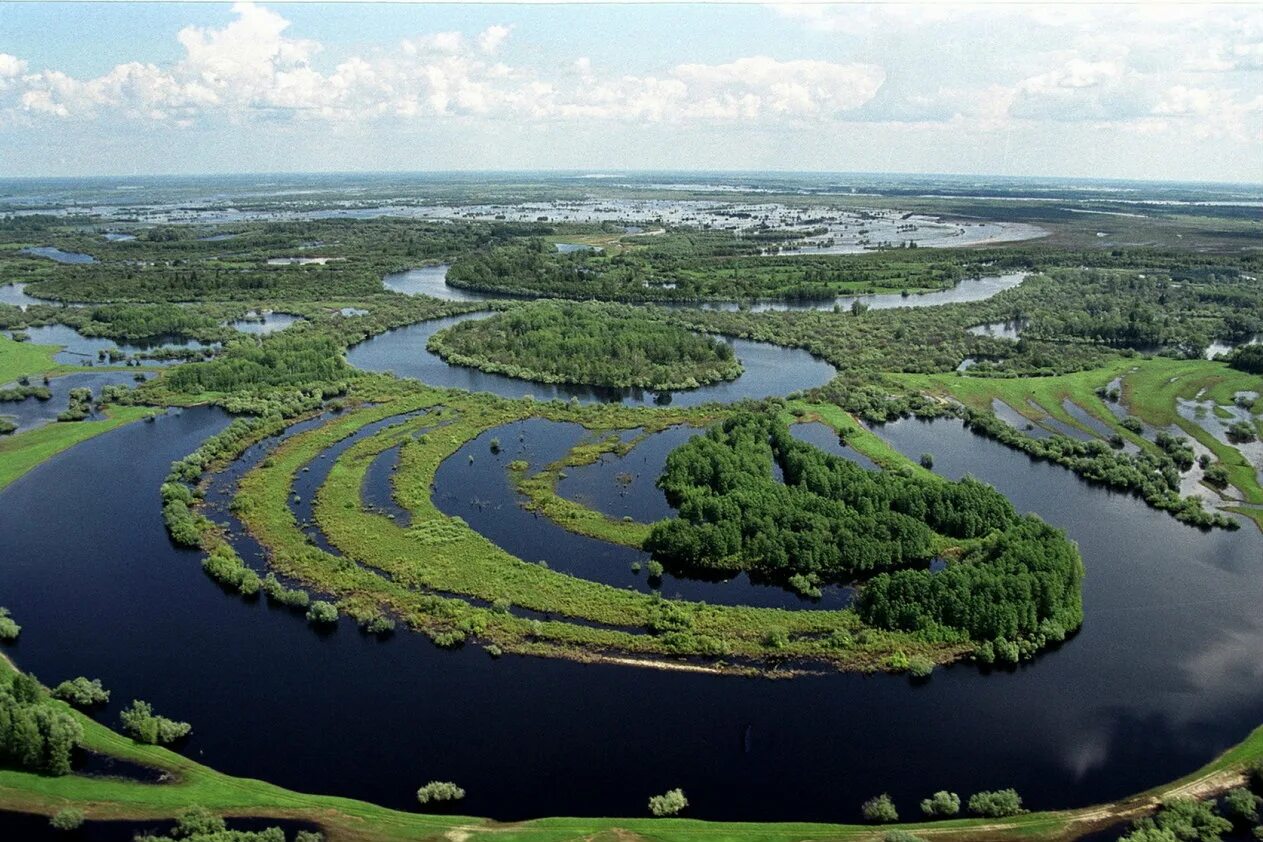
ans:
(22, 452)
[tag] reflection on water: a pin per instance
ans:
(78, 349)
(58, 255)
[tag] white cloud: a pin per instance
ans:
(1149, 71)
(490, 39)
(251, 66)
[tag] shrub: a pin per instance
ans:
(322, 613)
(81, 692)
(9, 630)
(67, 818)
(440, 791)
(920, 666)
(1181, 819)
(927, 461)
(996, 804)
(1242, 806)
(669, 803)
(880, 809)
(145, 726)
(941, 803)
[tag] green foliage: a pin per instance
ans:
(298, 356)
(1180, 820)
(830, 517)
(82, 692)
(35, 734)
(941, 804)
(880, 809)
(439, 791)
(9, 630)
(1242, 805)
(1247, 358)
(67, 818)
(596, 344)
(996, 804)
(1154, 476)
(322, 613)
(669, 803)
(145, 726)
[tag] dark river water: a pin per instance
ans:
(432, 281)
(1164, 674)
(769, 371)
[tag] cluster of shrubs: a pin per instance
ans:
(145, 726)
(1000, 803)
(1153, 476)
(79, 406)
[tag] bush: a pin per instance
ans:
(1181, 819)
(1242, 806)
(81, 692)
(941, 804)
(920, 666)
(440, 791)
(996, 804)
(322, 613)
(669, 803)
(67, 818)
(145, 726)
(9, 630)
(880, 809)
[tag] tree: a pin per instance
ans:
(669, 803)
(1242, 805)
(880, 809)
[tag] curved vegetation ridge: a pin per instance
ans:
(1016, 581)
(588, 344)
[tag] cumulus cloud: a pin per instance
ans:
(252, 65)
(1147, 70)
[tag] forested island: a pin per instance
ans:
(589, 344)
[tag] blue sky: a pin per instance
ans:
(1158, 92)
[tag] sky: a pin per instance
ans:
(1146, 91)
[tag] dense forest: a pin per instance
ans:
(831, 520)
(592, 344)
